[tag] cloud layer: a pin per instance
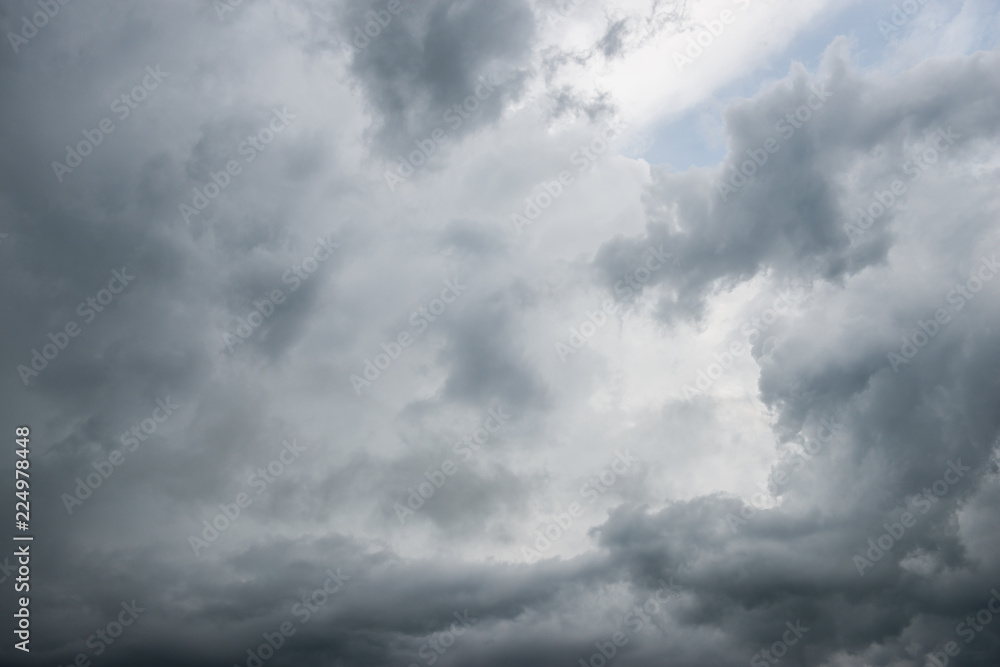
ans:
(364, 334)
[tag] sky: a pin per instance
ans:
(510, 332)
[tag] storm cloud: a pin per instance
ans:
(523, 332)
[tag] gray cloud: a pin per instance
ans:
(842, 438)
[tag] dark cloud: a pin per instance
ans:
(874, 394)
(433, 57)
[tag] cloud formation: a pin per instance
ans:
(287, 410)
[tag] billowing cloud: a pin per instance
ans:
(370, 333)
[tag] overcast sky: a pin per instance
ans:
(503, 332)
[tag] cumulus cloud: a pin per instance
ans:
(285, 409)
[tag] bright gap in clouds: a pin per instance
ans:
(696, 137)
